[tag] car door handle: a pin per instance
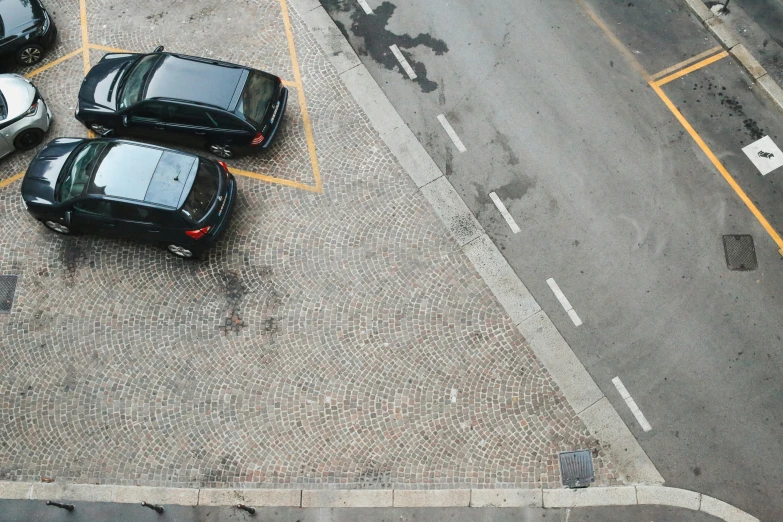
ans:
(158, 127)
(200, 133)
(153, 230)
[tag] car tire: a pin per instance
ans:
(28, 139)
(29, 54)
(182, 252)
(221, 151)
(57, 227)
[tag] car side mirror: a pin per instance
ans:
(67, 217)
(125, 120)
(158, 49)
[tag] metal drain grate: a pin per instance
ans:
(7, 291)
(576, 468)
(740, 252)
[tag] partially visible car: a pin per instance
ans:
(199, 102)
(24, 116)
(130, 190)
(26, 29)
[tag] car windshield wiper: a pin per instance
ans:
(125, 77)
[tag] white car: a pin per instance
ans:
(24, 116)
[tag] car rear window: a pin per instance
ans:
(256, 96)
(203, 192)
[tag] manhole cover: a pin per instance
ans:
(576, 468)
(7, 290)
(740, 252)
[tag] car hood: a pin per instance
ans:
(18, 93)
(20, 15)
(41, 176)
(100, 85)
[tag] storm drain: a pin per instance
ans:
(576, 468)
(740, 252)
(7, 291)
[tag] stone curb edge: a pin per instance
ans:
(380, 498)
(730, 41)
(556, 356)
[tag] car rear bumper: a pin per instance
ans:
(219, 229)
(280, 113)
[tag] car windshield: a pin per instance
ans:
(77, 176)
(205, 188)
(255, 99)
(133, 83)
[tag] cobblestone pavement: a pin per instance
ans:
(336, 337)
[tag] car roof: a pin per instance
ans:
(143, 173)
(194, 79)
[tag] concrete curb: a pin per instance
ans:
(730, 41)
(546, 342)
(372, 498)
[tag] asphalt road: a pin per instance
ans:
(616, 202)
(35, 511)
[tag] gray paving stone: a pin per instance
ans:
(337, 336)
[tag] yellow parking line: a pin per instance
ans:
(109, 49)
(718, 165)
(612, 38)
(656, 87)
(685, 63)
(8, 181)
(281, 181)
(85, 39)
(302, 100)
(694, 67)
(289, 83)
(53, 63)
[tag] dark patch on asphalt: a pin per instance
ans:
(735, 108)
(516, 188)
(697, 471)
(502, 140)
(377, 39)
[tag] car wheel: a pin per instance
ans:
(182, 252)
(30, 54)
(222, 151)
(57, 227)
(100, 130)
(28, 139)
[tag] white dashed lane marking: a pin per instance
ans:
(400, 58)
(450, 131)
(631, 404)
(365, 6)
(504, 212)
(563, 301)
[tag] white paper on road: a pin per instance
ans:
(764, 154)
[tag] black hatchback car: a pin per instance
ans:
(26, 29)
(130, 190)
(197, 102)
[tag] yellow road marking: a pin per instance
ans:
(612, 38)
(297, 84)
(694, 67)
(109, 49)
(280, 181)
(685, 63)
(718, 165)
(10, 180)
(85, 39)
(302, 101)
(700, 142)
(53, 63)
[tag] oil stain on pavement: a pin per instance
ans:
(375, 38)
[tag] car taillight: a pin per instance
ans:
(258, 139)
(223, 164)
(198, 234)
